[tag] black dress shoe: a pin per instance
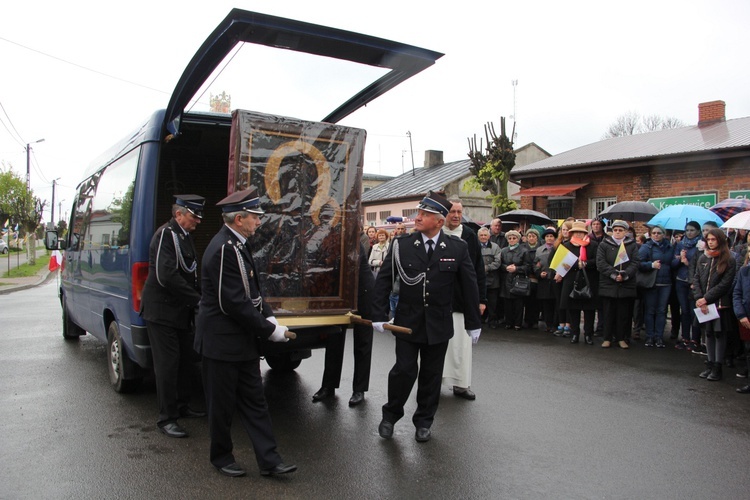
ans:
(279, 469)
(357, 398)
(188, 412)
(385, 429)
(465, 393)
(574, 339)
(232, 470)
(588, 339)
(323, 393)
(173, 430)
(743, 390)
(423, 434)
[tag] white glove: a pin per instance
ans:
(273, 320)
(378, 326)
(474, 334)
(278, 334)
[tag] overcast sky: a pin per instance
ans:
(82, 74)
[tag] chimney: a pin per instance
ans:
(433, 158)
(711, 112)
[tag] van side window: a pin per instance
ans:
(112, 203)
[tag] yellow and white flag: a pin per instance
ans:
(622, 255)
(563, 260)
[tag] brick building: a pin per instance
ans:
(700, 163)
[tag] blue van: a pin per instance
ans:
(128, 191)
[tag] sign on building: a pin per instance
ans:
(740, 194)
(700, 200)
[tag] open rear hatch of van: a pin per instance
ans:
(397, 61)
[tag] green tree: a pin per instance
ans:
(491, 166)
(24, 209)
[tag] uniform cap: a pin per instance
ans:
(192, 202)
(435, 204)
(246, 200)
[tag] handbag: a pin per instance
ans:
(645, 279)
(521, 285)
(581, 288)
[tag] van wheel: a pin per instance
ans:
(282, 362)
(121, 369)
(70, 330)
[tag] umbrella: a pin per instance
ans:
(524, 215)
(629, 210)
(676, 216)
(730, 207)
(739, 221)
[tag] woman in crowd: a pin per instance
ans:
(379, 251)
(684, 252)
(514, 262)
(545, 293)
(369, 237)
(617, 271)
(712, 285)
(492, 261)
(656, 257)
(563, 326)
(741, 304)
(530, 304)
(583, 271)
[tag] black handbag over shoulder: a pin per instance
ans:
(581, 287)
(521, 285)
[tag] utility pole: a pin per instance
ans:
(408, 134)
(54, 181)
(28, 164)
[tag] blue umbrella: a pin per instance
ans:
(676, 216)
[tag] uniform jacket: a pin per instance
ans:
(711, 285)
(425, 305)
(605, 260)
(170, 294)
(510, 256)
(229, 324)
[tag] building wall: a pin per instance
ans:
(656, 181)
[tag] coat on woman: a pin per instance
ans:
(651, 252)
(545, 288)
(570, 278)
(510, 256)
(606, 256)
(741, 299)
(711, 285)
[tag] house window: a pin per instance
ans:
(559, 209)
(597, 205)
(371, 217)
(384, 214)
(409, 213)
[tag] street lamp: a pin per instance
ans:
(28, 164)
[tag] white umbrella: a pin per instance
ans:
(739, 221)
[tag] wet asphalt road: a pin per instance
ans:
(551, 420)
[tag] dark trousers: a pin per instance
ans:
(407, 370)
(548, 312)
(531, 307)
(655, 302)
(618, 314)
(574, 318)
(513, 311)
(172, 351)
(690, 328)
(493, 295)
(674, 311)
(362, 358)
(238, 386)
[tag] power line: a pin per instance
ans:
(83, 67)
(22, 142)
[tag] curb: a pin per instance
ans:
(43, 278)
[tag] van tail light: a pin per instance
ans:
(137, 281)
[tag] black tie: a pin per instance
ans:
(430, 243)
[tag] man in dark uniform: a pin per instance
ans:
(362, 338)
(232, 318)
(430, 264)
(170, 296)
